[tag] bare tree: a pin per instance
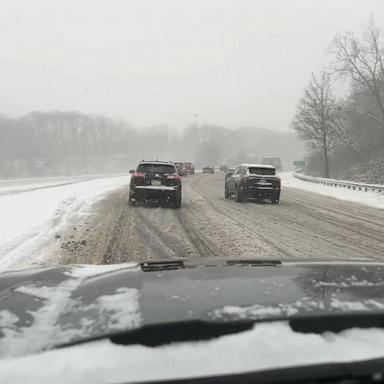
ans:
(317, 118)
(361, 60)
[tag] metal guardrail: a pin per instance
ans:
(341, 183)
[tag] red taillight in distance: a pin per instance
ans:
(138, 174)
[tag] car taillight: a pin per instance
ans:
(243, 178)
(173, 177)
(139, 174)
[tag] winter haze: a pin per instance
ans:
(168, 64)
(233, 63)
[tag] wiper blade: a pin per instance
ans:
(255, 262)
(182, 331)
(196, 330)
(150, 266)
(153, 335)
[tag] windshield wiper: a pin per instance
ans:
(182, 331)
(255, 262)
(196, 330)
(151, 266)
(154, 335)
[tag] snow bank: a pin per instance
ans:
(10, 186)
(30, 219)
(372, 199)
(267, 346)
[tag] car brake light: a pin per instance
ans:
(138, 174)
(173, 177)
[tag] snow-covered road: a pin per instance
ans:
(33, 212)
(304, 225)
(89, 221)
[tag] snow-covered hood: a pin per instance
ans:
(42, 308)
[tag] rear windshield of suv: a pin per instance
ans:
(156, 168)
(261, 171)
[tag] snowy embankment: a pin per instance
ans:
(372, 199)
(33, 212)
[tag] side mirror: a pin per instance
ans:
(131, 171)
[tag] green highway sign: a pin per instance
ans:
(299, 163)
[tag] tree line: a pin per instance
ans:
(65, 143)
(344, 132)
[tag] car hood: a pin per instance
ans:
(41, 308)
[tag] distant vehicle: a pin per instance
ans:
(223, 167)
(189, 168)
(209, 169)
(180, 168)
(155, 182)
(274, 161)
(255, 181)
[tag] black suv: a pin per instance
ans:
(155, 182)
(253, 181)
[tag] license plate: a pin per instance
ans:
(156, 183)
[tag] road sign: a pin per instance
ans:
(299, 163)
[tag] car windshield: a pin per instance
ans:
(191, 188)
(261, 171)
(156, 168)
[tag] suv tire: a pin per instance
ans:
(131, 202)
(177, 201)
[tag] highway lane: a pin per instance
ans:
(304, 225)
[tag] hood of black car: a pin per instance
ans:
(44, 307)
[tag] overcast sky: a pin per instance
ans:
(233, 63)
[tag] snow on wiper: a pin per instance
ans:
(157, 334)
(268, 353)
(153, 335)
(356, 372)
